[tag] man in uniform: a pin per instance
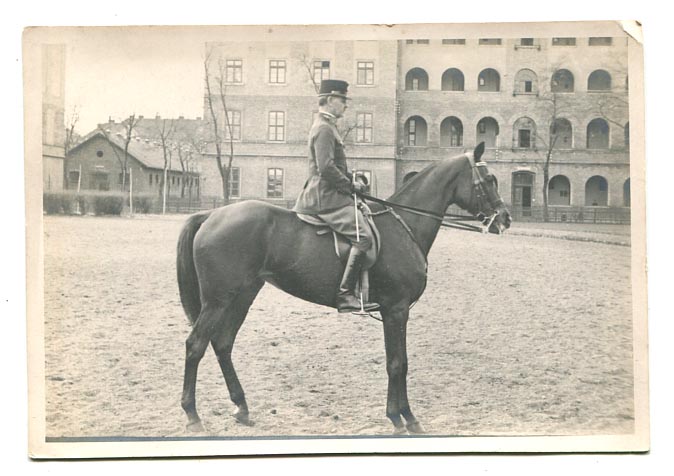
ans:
(329, 190)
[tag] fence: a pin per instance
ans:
(606, 215)
(609, 215)
(193, 205)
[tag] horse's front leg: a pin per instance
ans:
(395, 340)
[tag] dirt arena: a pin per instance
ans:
(521, 334)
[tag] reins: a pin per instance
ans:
(448, 220)
(454, 221)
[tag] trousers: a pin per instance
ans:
(342, 220)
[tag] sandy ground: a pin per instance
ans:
(521, 334)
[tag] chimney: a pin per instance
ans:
(180, 118)
(110, 120)
(157, 117)
(140, 118)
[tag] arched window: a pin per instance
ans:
(627, 134)
(487, 131)
(596, 192)
(524, 133)
(627, 199)
(599, 80)
(559, 191)
(416, 80)
(452, 80)
(526, 82)
(561, 132)
(415, 131)
(597, 134)
(451, 132)
(489, 80)
(408, 176)
(562, 81)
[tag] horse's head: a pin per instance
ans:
(482, 198)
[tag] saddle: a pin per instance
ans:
(343, 245)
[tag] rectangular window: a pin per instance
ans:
(412, 133)
(127, 178)
(524, 138)
(564, 193)
(564, 41)
(276, 126)
(365, 72)
(415, 84)
(489, 41)
(526, 41)
(482, 127)
(73, 178)
(528, 86)
(150, 180)
(321, 70)
(600, 41)
(364, 127)
(274, 183)
(235, 182)
(409, 42)
(454, 41)
(233, 71)
(423, 42)
(277, 71)
(233, 123)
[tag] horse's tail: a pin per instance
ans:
(188, 282)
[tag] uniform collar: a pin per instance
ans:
(329, 117)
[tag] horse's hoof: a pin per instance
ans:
(196, 427)
(399, 430)
(244, 419)
(415, 428)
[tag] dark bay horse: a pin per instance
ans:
(226, 255)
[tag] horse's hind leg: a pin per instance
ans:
(223, 342)
(209, 319)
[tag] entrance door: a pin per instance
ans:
(522, 189)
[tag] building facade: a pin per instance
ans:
(416, 101)
(95, 164)
(53, 113)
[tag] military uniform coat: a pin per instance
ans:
(329, 185)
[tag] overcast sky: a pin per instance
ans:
(109, 73)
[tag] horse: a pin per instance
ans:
(226, 255)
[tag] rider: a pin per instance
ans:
(329, 190)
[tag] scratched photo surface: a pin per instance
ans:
(530, 327)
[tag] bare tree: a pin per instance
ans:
(165, 133)
(219, 136)
(189, 149)
(70, 138)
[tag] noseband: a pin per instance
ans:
(482, 196)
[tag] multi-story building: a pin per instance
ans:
(271, 99)
(53, 109)
(416, 101)
(518, 95)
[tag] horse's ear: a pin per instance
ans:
(479, 150)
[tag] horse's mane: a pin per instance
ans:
(422, 175)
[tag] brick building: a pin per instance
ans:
(94, 164)
(415, 101)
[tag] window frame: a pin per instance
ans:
(236, 65)
(366, 69)
(275, 179)
(276, 127)
(364, 128)
(276, 68)
(232, 182)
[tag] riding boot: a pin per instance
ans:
(346, 298)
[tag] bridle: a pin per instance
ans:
(482, 195)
